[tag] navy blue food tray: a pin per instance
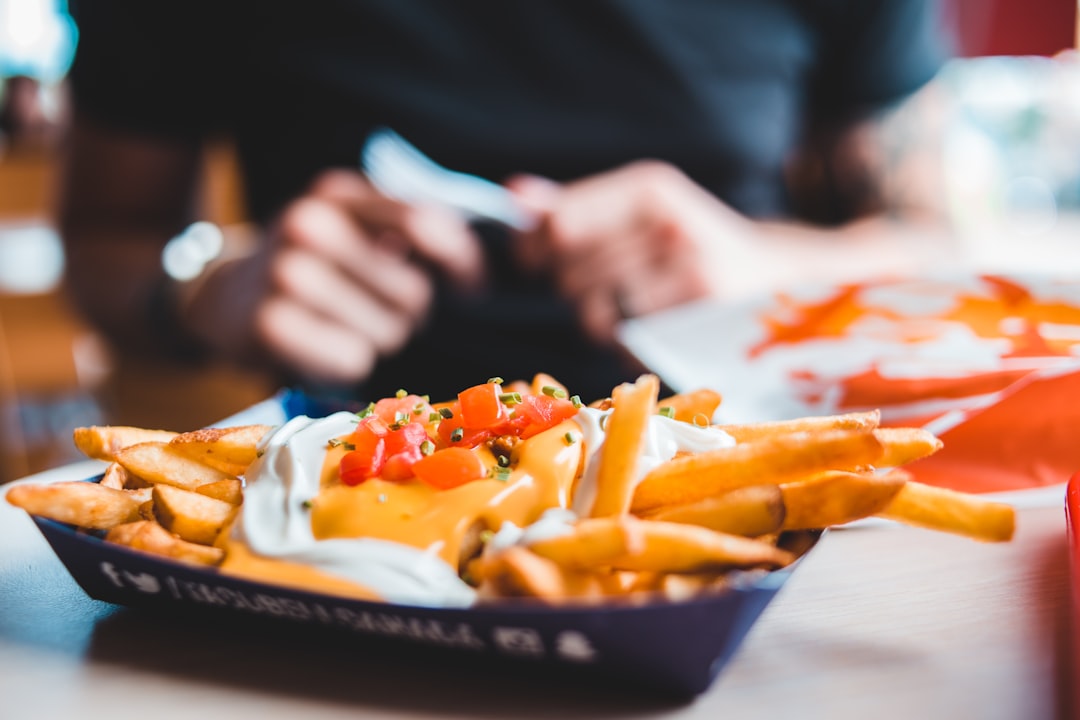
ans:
(677, 647)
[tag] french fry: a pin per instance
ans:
(951, 511)
(905, 445)
(758, 431)
(618, 456)
(103, 442)
(837, 497)
(151, 537)
(230, 490)
(679, 548)
(772, 460)
(194, 517)
(594, 542)
(517, 572)
(229, 449)
(690, 406)
(160, 463)
(115, 477)
(750, 511)
(85, 504)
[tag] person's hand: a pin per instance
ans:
(344, 278)
(632, 241)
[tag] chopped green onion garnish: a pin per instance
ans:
(496, 380)
(338, 442)
(366, 411)
(552, 391)
(510, 398)
(499, 473)
(434, 417)
(503, 461)
(446, 413)
(427, 447)
(570, 438)
(401, 418)
(400, 393)
(667, 411)
(457, 435)
(576, 401)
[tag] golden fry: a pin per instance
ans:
(517, 572)
(679, 548)
(594, 542)
(626, 429)
(771, 460)
(951, 511)
(103, 442)
(194, 517)
(230, 490)
(160, 463)
(750, 511)
(115, 477)
(230, 449)
(904, 445)
(85, 504)
(837, 497)
(691, 405)
(762, 430)
(148, 536)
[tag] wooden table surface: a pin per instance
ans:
(880, 622)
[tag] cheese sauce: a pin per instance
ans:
(402, 542)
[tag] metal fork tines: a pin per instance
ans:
(397, 169)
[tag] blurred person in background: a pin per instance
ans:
(669, 151)
(37, 39)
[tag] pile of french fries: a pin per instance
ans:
(681, 529)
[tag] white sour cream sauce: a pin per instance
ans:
(275, 522)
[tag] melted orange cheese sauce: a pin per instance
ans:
(545, 468)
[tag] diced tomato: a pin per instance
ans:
(399, 466)
(450, 467)
(537, 413)
(481, 407)
(360, 465)
(453, 434)
(407, 436)
(395, 410)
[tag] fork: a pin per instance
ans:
(400, 171)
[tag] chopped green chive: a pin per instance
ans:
(499, 473)
(510, 398)
(338, 442)
(457, 435)
(427, 447)
(366, 411)
(552, 391)
(434, 417)
(503, 461)
(496, 380)
(400, 393)
(576, 401)
(569, 438)
(446, 413)
(667, 411)
(401, 418)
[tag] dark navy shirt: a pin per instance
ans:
(562, 88)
